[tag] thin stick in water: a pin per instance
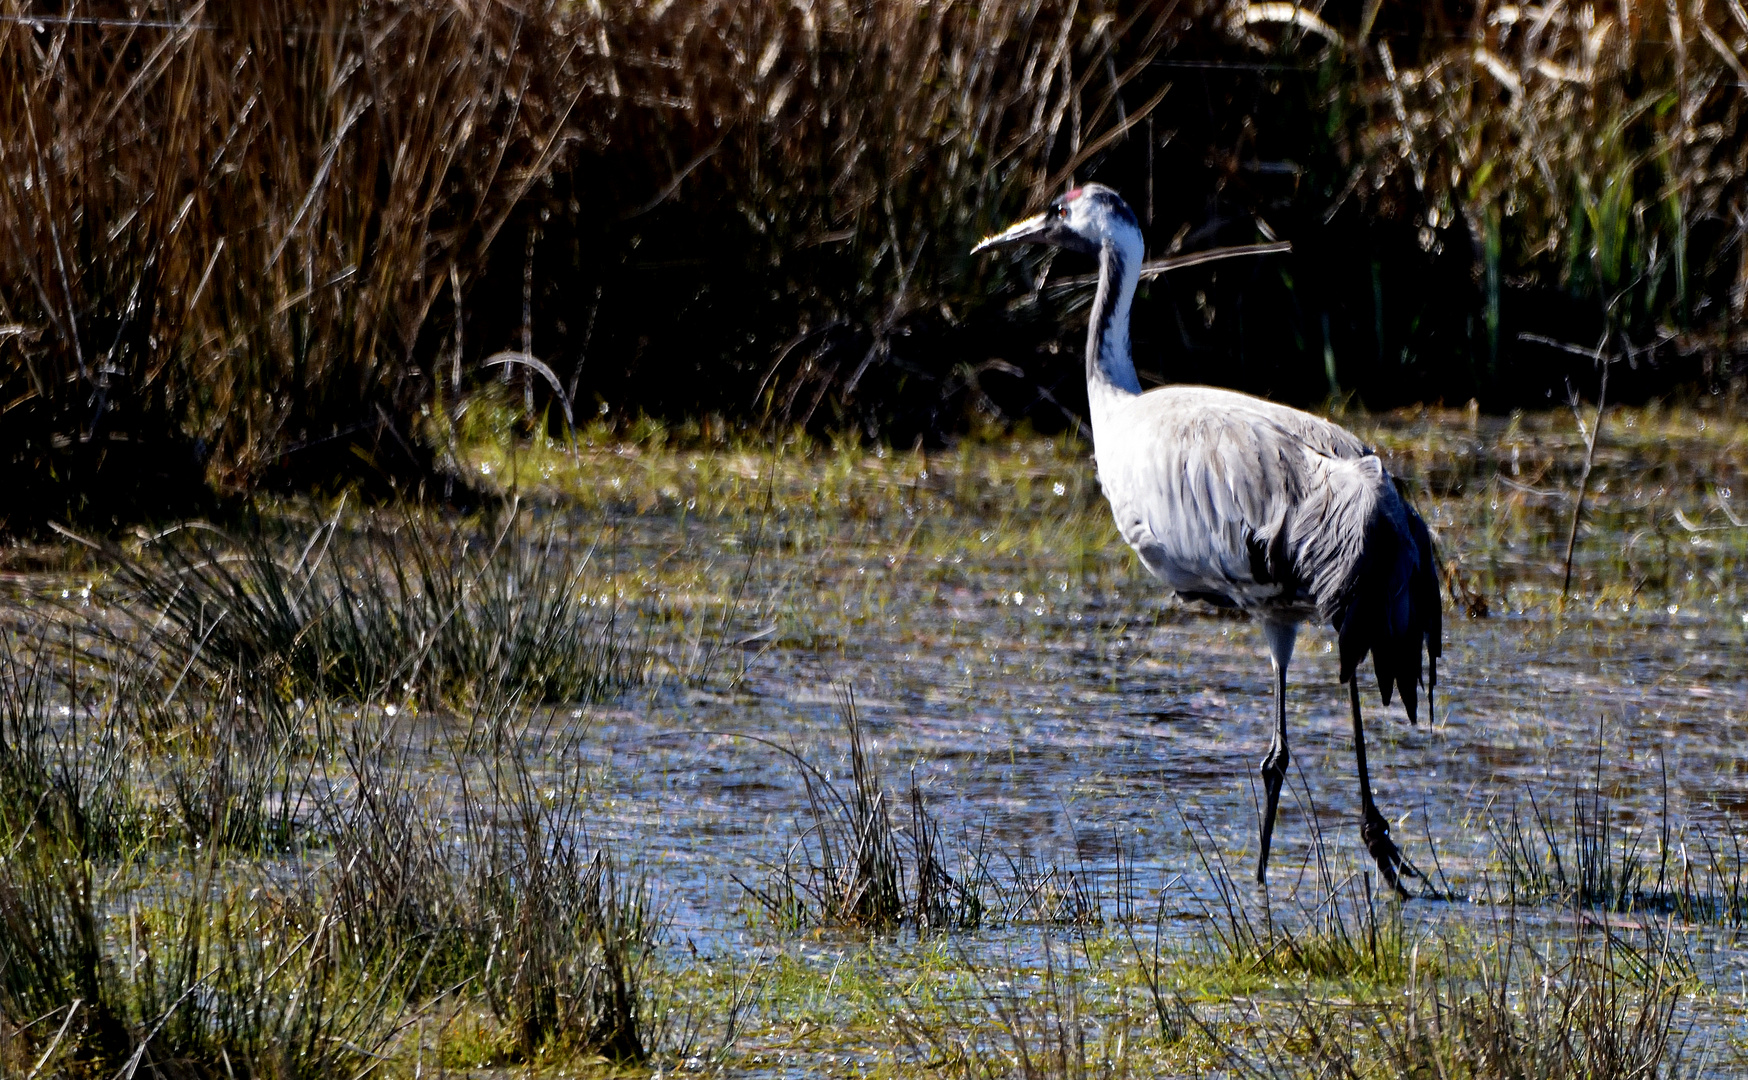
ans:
(1584, 477)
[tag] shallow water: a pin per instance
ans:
(1008, 656)
(1007, 653)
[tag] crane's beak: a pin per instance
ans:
(1030, 229)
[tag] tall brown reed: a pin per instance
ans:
(848, 152)
(1592, 147)
(238, 240)
(226, 227)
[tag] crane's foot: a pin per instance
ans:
(1274, 774)
(1375, 832)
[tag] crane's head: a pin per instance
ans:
(1082, 219)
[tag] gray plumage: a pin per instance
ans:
(1244, 503)
(1248, 504)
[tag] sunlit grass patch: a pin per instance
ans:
(1497, 493)
(1334, 929)
(1659, 538)
(1590, 1005)
(929, 1007)
(1075, 1009)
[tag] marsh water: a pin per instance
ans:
(1080, 734)
(1009, 659)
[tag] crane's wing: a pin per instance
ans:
(1202, 484)
(1242, 502)
(1202, 497)
(1370, 562)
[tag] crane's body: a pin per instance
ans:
(1243, 503)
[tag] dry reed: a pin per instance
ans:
(247, 245)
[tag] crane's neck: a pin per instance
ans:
(1110, 372)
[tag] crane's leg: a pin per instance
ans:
(1274, 766)
(1375, 831)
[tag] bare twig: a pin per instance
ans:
(1584, 477)
(72, 1010)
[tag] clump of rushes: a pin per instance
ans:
(235, 769)
(104, 755)
(167, 954)
(76, 774)
(509, 897)
(402, 606)
(852, 866)
(129, 938)
(179, 968)
(1361, 996)
(1587, 859)
(849, 866)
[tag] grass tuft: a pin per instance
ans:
(404, 607)
(849, 867)
(1586, 859)
(1342, 930)
(508, 896)
(1591, 1006)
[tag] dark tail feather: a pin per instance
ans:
(1391, 606)
(1428, 625)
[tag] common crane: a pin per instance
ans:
(1246, 504)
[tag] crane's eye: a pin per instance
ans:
(1062, 211)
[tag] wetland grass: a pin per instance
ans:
(345, 256)
(848, 868)
(178, 963)
(1342, 985)
(1497, 492)
(852, 866)
(478, 915)
(235, 768)
(730, 210)
(1587, 858)
(1587, 1005)
(311, 948)
(507, 896)
(1511, 996)
(1042, 1024)
(1341, 931)
(400, 605)
(80, 773)
(201, 876)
